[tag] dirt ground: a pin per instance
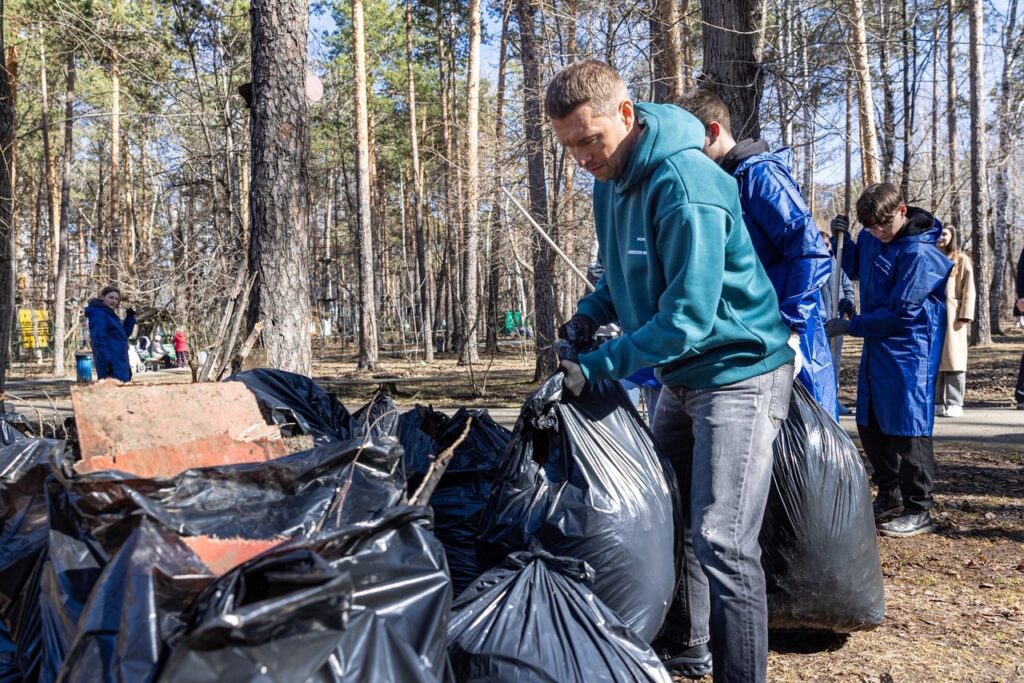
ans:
(955, 599)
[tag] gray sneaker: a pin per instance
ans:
(908, 524)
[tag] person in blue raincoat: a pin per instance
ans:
(903, 323)
(109, 335)
(784, 235)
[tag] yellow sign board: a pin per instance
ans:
(34, 325)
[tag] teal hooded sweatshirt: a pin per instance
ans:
(681, 274)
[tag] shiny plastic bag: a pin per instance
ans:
(365, 603)
(534, 619)
(297, 404)
(584, 479)
(460, 496)
(818, 544)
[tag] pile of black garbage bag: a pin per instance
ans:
(548, 553)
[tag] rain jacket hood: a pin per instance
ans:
(903, 323)
(793, 253)
(109, 340)
(681, 275)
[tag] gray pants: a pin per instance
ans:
(949, 389)
(719, 442)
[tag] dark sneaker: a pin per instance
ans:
(887, 505)
(679, 660)
(908, 524)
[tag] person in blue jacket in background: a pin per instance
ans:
(846, 309)
(109, 335)
(903, 323)
(785, 239)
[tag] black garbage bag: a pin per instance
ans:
(379, 416)
(534, 619)
(460, 497)
(584, 479)
(134, 608)
(366, 603)
(24, 466)
(297, 404)
(91, 516)
(818, 545)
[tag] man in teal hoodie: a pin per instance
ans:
(695, 303)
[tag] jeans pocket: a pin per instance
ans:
(781, 391)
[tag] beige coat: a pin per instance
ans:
(959, 306)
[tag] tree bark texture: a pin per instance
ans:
(60, 290)
(981, 331)
(733, 39)
(8, 260)
(543, 294)
(951, 114)
(279, 246)
(865, 101)
(470, 293)
(666, 50)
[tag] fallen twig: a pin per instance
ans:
(437, 468)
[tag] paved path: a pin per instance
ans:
(983, 424)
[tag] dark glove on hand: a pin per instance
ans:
(579, 331)
(847, 308)
(837, 326)
(573, 380)
(130, 312)
(840, 224)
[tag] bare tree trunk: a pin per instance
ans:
(279, 246)
(368, 350)
(665, 46)
(684, 14)
(494, 266)
(8, 256)
(543, 295)
(60, 290)
(951, 112)
(114, 206)
(908, 43)
(470, 294)
(933, 154)
(423, 277)
(49, 172)
(1013, 43)
(865, 102)
(981, 330)
(888, 138)
(733, 40)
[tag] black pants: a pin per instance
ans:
(1020, 381)
(903, 462)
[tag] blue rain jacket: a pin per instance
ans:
(903, 323)
(109, 337)
(792, 252)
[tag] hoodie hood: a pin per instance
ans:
(665, 130)
(743, 150)
(97, 303)
(921, 225)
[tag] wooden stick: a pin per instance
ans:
(243, 353)
(437, 468)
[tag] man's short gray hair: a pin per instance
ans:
(586, 82)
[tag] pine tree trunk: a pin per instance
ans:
(423, 274)
(368, 345)
(865, 102)
(543, 295)
(888, 138)
(981, 331)
(951, 112)
(933, 152)
(471, 295)
(49, 173)
(733, 40)
(60, 291)
(8, 257)
(665, 46)
(114, 205)
(684, 14)
(279, 245)
(909, 48)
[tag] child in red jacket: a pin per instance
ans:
(180, 348)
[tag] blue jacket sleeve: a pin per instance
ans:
(850, 260)
(917, 277)
(693, 261)
(846, 286)
(775, 202)
(597, 305)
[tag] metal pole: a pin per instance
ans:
(547, 239)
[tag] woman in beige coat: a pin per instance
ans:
(949, 386)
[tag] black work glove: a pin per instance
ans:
(130, 313)
(579, 331)
(837, 326)
(847, 308)
(840, 224)
(573, 380)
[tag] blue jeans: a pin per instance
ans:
(719, 442)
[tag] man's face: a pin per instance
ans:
(887, 230)
(112, 299)
(599, 143)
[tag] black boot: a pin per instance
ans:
(689, 662)
(908, 524)
(888, 503)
